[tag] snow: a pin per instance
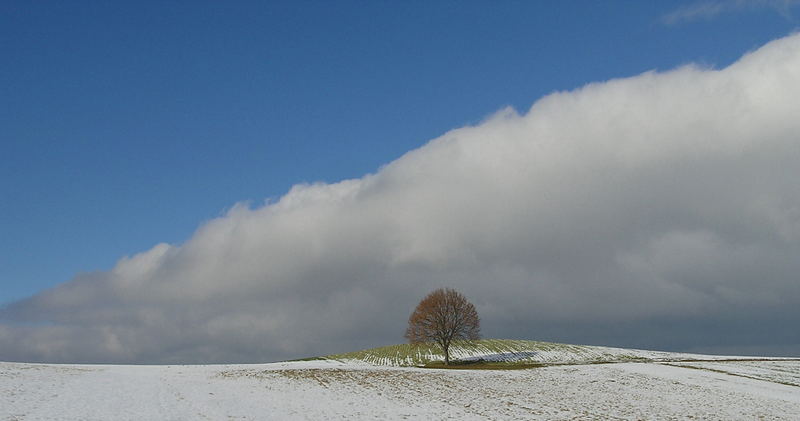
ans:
(356, 390)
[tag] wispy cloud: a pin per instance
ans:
(660, 210)
(711, 9)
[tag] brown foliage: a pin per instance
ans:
(443, 316)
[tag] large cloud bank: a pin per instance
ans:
(661, 210)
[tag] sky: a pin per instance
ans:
(252, 181)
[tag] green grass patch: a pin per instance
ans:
(501, 354)
(520, 353)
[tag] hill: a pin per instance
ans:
(570, 382)
(514, 353)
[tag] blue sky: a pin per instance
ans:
(127, 125)
(172, 175)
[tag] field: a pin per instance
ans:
(586, 383)
(514, 353)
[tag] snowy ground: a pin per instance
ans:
(339, 390)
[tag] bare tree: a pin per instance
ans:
(443, 316)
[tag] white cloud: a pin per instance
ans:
(664, 199)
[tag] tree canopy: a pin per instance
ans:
(443, 316)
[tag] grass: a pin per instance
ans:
(487, 354)
(503, 354)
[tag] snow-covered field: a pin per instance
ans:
(331, 389)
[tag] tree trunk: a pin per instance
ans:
(447, 355)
